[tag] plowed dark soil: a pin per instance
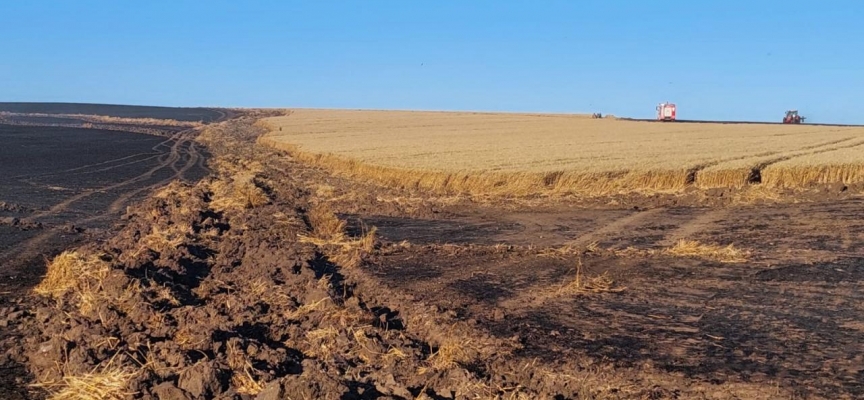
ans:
(236, 287)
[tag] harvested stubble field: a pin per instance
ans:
(526, 154)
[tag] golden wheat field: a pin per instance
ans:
(518, 154)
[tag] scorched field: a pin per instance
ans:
(197, 262)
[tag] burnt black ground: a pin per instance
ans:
(60, 187)
(123, 111)
(788, 316)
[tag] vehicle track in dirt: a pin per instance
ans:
(165, 160)
(181, 157)
(755, 177)
(703, 220)
(615, 226)
(85, 168)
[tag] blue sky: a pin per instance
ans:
(731, 59)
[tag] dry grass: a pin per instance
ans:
(264, 289)
(186, 339)
(76, 278)
(737, 171)
(70, 270)
(76, 273)
(596, 284)
(523, 154)
(308, 308)
(241, 191)
(325, 224)
(110, 382)
(162, 240)
(321, 342)
(450, 354)
(242, 378)
(328, 233)
(692, 248)
(239, 184)
(841, 165)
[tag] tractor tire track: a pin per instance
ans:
(29, 181)
(31, 248)
(122, 201)
(194, 157)
(201, 161)
(615, 226)
(171, 158)
(83, 167)
(595, 235)
(706, 219)
(693, 173)
(155, 152)
(529, 300)
(768, 163)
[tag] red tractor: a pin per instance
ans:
(666, 112)
(792, 117)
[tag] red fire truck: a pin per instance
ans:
(666, 112)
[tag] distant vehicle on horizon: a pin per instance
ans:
(666, 112)
(792, 117)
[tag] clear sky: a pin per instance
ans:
(730, 59)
